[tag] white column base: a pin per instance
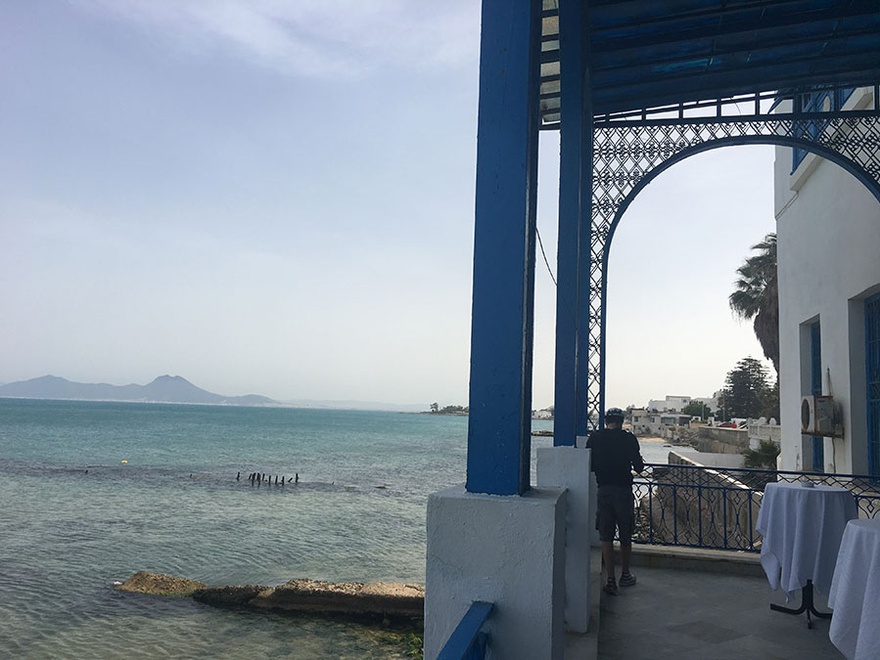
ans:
(505, 550)
(569, 468)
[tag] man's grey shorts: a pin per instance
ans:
(614, 509)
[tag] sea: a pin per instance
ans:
(93, 492)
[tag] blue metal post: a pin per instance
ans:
(586, 260)
(573, 252)
(499, 429)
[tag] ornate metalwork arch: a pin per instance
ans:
(628, 154)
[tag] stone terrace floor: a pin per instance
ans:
(685, 610)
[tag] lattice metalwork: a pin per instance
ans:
(627, 155)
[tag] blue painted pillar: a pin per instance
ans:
(499, 429)
(573, 251)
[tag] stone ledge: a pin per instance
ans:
(700, 559)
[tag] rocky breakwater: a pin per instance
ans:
(357, 600)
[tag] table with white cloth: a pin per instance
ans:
(855, 592)
(802, 526)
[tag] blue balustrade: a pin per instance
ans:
(717, 508)
(468, 641)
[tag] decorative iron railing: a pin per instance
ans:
(713, 507)
(468, 641)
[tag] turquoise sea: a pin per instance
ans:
(92, 492)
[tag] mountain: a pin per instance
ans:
(164, 389)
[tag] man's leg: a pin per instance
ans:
(625, 553)
(608, 558)
(626, 524)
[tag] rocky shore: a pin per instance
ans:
(380, 600)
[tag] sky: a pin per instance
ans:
(277, 198)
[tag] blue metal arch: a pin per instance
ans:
(744, 140)
(603, 228)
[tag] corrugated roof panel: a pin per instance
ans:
(646, 53)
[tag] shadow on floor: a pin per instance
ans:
(685, 614)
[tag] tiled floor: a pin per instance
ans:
(683, 614)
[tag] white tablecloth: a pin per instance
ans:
(855, 592)
(802, 528)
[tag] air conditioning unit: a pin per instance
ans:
(819, 416)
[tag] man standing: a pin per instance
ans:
(615, 454)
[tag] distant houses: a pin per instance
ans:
(652, 422)
(663, 414)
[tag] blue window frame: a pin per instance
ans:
(816, 388)
(815, 102)
(872, 373)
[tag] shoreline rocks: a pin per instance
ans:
(355, 599)
(159, 584)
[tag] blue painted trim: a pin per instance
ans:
(818, 442)
(499, 429)
(814, 103)
(466, 637)
(575, 132)
(872, 382)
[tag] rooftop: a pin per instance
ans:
(651, 54)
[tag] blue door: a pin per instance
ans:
(816, 388)
(872, 367)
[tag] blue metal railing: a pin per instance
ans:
(468, 641)
(717, 508)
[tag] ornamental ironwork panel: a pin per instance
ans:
(628, 154)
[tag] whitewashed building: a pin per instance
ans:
(828, 229)
(670, 403)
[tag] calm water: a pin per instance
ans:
(74, 518)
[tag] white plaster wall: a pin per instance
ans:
(828, 227)
(569, 468)
(506, 550)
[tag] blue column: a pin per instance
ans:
(499, 429)
(573, 252)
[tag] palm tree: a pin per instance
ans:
(757, 296)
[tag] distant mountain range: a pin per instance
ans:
(165, 389)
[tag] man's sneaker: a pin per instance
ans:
(610, 587)
(627, 580)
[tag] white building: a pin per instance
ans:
(678, 403)
(651, 422)
(669, 404)
(828, 228)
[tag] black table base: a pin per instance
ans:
(805, 606)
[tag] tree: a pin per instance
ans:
(757, 296)
(762, 457)
(697, 409)
(434, 407)
(746, 390)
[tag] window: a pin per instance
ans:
(816, 102)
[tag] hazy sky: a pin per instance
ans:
(277, 197)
